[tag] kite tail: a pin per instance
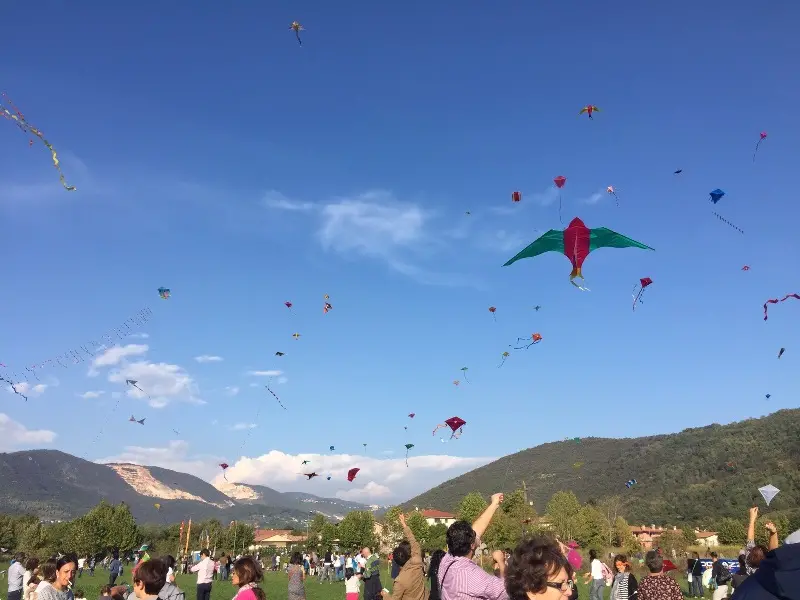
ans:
(756, 150)
(559, 205)
(299, 41)
(616, 198)
(724, 220)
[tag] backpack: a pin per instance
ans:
(724, 575)
(607, 574)
(170, 591)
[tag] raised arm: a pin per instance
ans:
(482, 522)
(773, 535)
(416, 550)
(751, 528)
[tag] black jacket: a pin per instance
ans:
(777, 578)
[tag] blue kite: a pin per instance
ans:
(716, 195)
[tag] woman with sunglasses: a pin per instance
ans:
(538, 570)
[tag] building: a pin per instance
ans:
(438, 517)
(277, 539)
(648, 536)
(709, 539)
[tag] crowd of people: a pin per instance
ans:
(537, 569)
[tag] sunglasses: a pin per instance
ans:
(560, 585)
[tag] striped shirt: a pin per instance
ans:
(462, 579)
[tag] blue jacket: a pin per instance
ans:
(778, 577)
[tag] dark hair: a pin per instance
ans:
(460, 537)
(348, 573)
(106, 589)
(20, 557)
(756, 555)
(169, 560)
(592, 554)
(696, 554)
(402, 553)
(296, 559)
(78, 593)
(714, 555)
(433, 571)
(249, 571)
(654, 562)
(48, 570)
(621, 558)
(205, 552)
(531, 564)
(31, 563)
(152, 574)
(742, 564)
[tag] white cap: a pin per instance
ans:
(793, 538)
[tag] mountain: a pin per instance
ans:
(697, 475)
(58, 486)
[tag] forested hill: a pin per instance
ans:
(696, 475)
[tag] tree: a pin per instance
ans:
(85, 536)
(329, 536)
(592, 528)
(471, 507)
(315, 529)
(781, 524)
(437, 537)
(563, 511)
(391, 529)
(503, 532)
(611, 509)
(31, 540)
(357, 530)
(122, 532)
(729, 531)
(672, 543)
(418, 526)
(689, 535)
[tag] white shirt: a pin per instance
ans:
(338, 562)
(361, 562)
(16, 576)
(204, 570)
(170, 575)
(597, 569)
(81, 562)
(352, 585)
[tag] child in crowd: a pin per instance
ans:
(352, 583)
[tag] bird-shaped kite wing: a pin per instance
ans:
(589, 108)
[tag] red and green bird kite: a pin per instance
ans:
(576, 242)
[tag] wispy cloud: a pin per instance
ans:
(207, 358)
(594, 198)
(26, 389)
(143, 336)
(276, 200)
(14, 435)
(231, 390)
(90, 394)
(243, 426)
(505, 241)
(175, 456)
(273, 373)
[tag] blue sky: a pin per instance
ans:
(215, 156)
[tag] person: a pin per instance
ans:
(624, 585)
(337, 567)
(105, 592)
(114, 569)
(170, 562)
(657, 585)
(247, 574)
(695, 576)
(394, 567)
(573, 576)
(754, 554)
(538, 569)
(168, 591)
(79, 593)
(31, 579)
(352, 583)
(371, 574)
(596, 575)
(205, 573)
(778, 575)
(57, 575)
(297, 577)
(149, 578)
(409, 584)
(721, 576)
(458, 576)
(16, 577)
(433, 573)
(737, 579)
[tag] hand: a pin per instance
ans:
(497, 499)
(771, 527)
(402, 518)
(499, 557)
(383, 594)
(754, 513)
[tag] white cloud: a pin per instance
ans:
(506, 241)
(206, 358)
(593, 199)
(545, 198)
(158, 383)
(274, 199)
(140, 335)
(371, 493)
(231, 390)
(283, 380)
(243, 426)
(26, 389)
(14, 434)
(91, 394)
(273, 373)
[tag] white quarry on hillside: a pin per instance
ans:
(237, 491)
(142, 480)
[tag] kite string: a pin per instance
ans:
(724, 220)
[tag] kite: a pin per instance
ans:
(164, 293)
(724, 220)
(274, 395)
(716, 195)
(326, 306)
(408, 447)
(781, 351)
(761, 138)
(135, 420)
(768, 396)
(310, 475)
(643, 283)
(775, 301)
(279, 353)
(134, 383)
(610, 190)
(454, 423)
(456, 382)
(305, 462)
(351, 474)
(297, 28)
(577, 465)
(412, 415)
(746, 268)
(768, 492)
(332, 448)
(630, 483)
(535, 339)
(176, 432)
(492, 310)
(560, 181)
(504, 355)
(157, 505)
(536, 308)
(224, 467)
(19, 120)
(465, 369)
(296, 336)
(328, 478)
(365, 446)
(288, 305)
(516, 196)
(467, 213)
(576, 242)
(678, 172)
(589, 108)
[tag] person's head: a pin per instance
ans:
(204, 553)
(621, 563)
(366, 552)
(436, 560)
(402, 553)
(756, 555)
(538, 569)
(348, 573)
(296, 559)
(592, 554)
(105, 590)
(742, 563)
(461, 539)
(149, 578)
(246, 570)
(115, 555)
(31, 564)
(20, 557)
(713, 557)
(654, 562)
(696, 555)
(169, 560)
